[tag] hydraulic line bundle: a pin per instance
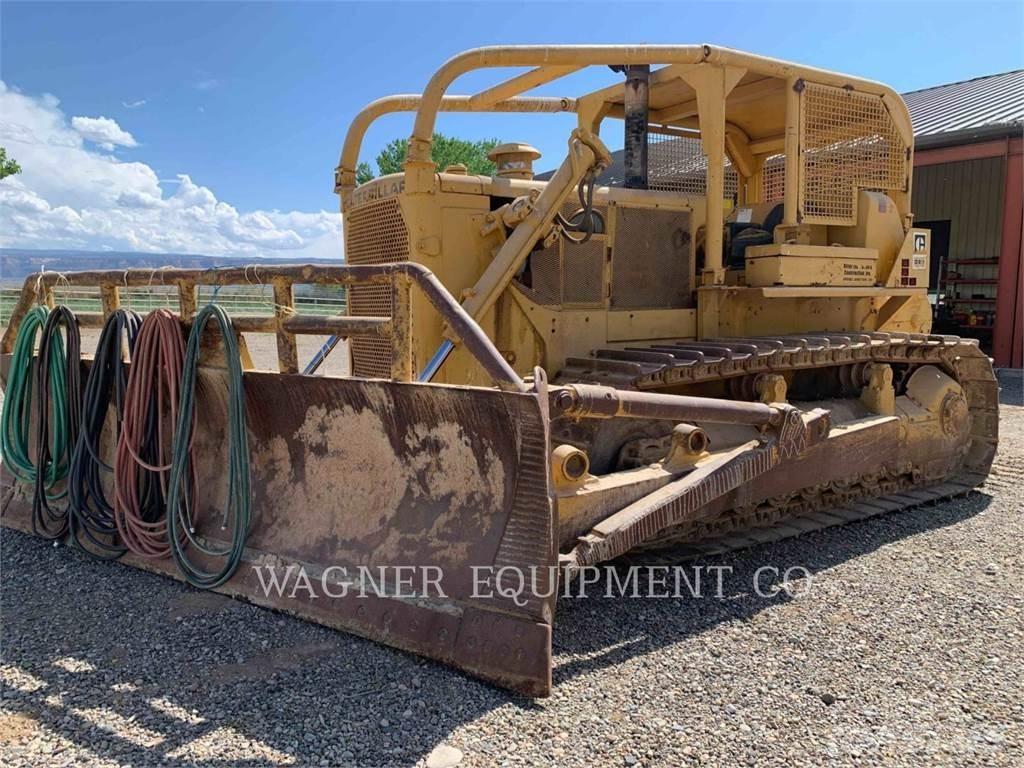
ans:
(108, 509)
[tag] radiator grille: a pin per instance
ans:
(677, 164)
(651, 259)
(375, 233)
(850, 143)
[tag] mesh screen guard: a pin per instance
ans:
(850, 142)
(677, 164)
(651, 259)
(569, 274)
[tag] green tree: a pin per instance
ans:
(445, 151)
(7, 167)
(363, 173)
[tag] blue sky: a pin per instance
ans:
(251, 101)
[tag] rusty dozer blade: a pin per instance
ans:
(400, 511)
(367, 491)
(391, 509)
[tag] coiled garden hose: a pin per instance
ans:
(17, 412)
(92, 515)
(182, 528)
(143, 460)
(58, 372)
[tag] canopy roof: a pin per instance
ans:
(756, 105)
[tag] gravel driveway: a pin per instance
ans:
(905, 647)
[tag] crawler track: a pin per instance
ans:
(737, 363)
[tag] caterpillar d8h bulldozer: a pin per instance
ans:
(720, 339)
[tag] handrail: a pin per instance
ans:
(285, 322)
(345, 173)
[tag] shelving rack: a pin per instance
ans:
(952, 308)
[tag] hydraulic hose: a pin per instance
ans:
(92, 515)
(58, 416)
(181, 504)
(585, 192)
(142, 460)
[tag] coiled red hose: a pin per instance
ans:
(143, 456)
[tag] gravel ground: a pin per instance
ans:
(263, 350)
(904, 646)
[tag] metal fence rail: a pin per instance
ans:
(286, 320)
(236, 299)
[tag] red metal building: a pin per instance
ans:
(969, 188)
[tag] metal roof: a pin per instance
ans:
(971, 109)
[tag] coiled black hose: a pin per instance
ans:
(60, 436)
(92, 515)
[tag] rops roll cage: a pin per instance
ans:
(712, 72)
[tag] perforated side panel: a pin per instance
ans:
(850, 143)
(651, 259)
(583, 268)
(375, 233)
(569, 274)
(677, 164)
(546, 275)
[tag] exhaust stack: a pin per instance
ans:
(636, 109)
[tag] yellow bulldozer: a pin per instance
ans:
(719, 339)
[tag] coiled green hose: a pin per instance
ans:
(57, 423)
(17, 412)
(181, 505)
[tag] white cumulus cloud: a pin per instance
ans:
(132, 198)
(72, 196)
(103, 131)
